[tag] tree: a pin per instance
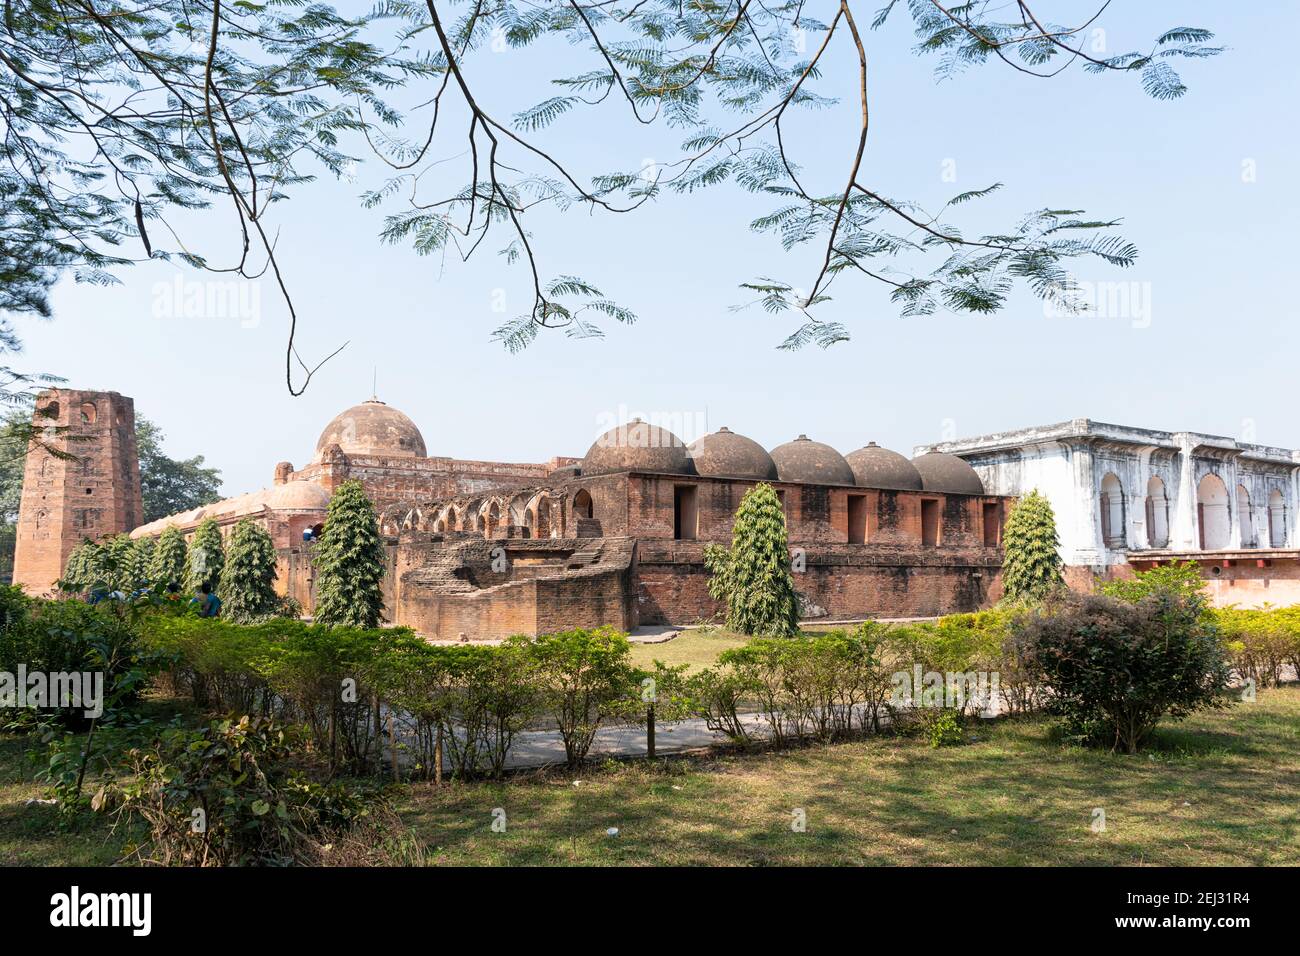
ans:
(117, 122)
(1031, 568)
(1183, 577)
(248, 581)
(207, 556)
(350, 561)
(753, 576)
(586, 678)
(87, 568)
(170, 485)
(137, 563)
(1116, 668)
(169, 562)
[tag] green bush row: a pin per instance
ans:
(343, 684)
(1261, 642)
(839, 683)
(70, 637)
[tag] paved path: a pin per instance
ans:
(543, 748)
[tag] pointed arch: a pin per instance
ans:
(1113, 533)
(1157, 514)
(1277, 519)
(1245, 520)
(1212, 513)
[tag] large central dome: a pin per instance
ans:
(373, 429)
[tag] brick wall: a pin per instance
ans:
(95, 494)
(843, 581)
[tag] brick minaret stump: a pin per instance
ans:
(94, 495)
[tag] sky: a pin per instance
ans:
(1205, 185)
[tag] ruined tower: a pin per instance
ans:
(94, 494)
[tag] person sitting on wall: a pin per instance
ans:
(209, 604)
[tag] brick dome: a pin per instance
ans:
(725, 454)
(810, 461)
(947, 473)
(297, 496)
(876, 467)
(637, 446)
(373, 429)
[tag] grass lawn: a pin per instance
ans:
(697, 646)
(700, 646)
(1218, 789)
(36, 835)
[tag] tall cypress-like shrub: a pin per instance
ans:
(168, 565)
(207, 556)
(753, 575)
(137, 563)
(1032, 566)
(350, 561)
(86, 568)
(248, 579)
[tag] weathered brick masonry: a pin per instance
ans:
(480, 550)
(92, 494)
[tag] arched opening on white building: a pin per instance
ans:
(1212, 513)
(1244, 518)
(1112, 512)
(1157, 514)
(1276, 519)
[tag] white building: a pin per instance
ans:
(1126, 494)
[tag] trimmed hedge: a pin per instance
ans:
(342, 684)
(1262, 642)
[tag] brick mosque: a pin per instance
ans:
(484, 549)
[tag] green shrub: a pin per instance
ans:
(225, 795)
(586, 678)
(73, 637)
(206, 556)
(350, 561)
(1180, 577)
(1116, 668)
(1262, 642)
(1031, 568)
(942, 727)
(752, 577)
(716, 694)
(169, 560)
(247, 588)
(814, 685)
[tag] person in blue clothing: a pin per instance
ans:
(209, 603)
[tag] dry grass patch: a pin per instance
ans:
(1220, 789)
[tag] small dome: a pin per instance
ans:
(564, 473)
(724, 454)
(810, 461)
(637, 446)
(297, 496)
(947, 473)
(876, 467)
(372, 429)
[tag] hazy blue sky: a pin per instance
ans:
(1218, 352)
